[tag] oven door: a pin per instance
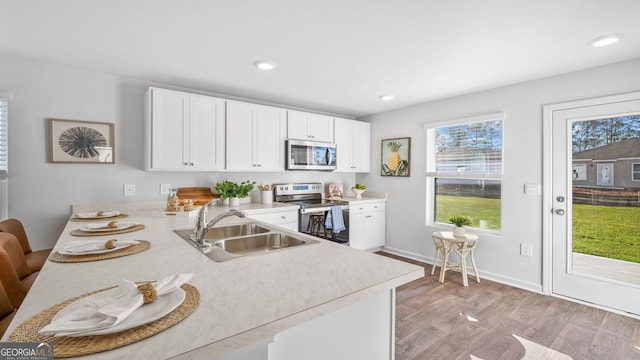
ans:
(312, 221)
(309, 155)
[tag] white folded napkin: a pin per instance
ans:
(81, 246)
(90, 215)
(111, 308)
(105, 225)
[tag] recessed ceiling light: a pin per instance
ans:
(386, 97)
(605, 40)
(265, 65)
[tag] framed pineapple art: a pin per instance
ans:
(396, 157)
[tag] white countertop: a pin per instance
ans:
(243, 301)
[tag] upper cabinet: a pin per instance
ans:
(308, 126)
(184, 132)
(353, 145)
(255, 137)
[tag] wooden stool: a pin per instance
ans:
(462, 245)
(316, 224)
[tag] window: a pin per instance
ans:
(635, 172)
(4, 136)
(464, 170)
(4, 154)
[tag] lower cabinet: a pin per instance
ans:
(362, 330)
(286, 219)
(367, 225)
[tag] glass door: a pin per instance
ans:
(596, 203)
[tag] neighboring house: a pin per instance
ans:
(615, 165)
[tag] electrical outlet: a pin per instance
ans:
(165, 189)
(526, 250)
(129, 189)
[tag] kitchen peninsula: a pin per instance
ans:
(315, 302)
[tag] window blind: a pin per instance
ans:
(4, 137)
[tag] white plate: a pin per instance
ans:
(162, 306)
(97, 251)
(119, 226)
(94, 215)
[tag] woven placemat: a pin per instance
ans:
(66, 346)
(78, 232)
(121, 216)
(133, 249)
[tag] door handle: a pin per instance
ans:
(559, 211)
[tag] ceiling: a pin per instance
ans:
(333, 56)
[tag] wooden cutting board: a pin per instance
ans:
(200, 195)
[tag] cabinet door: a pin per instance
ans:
(269, 135)
(353, 142)
(367, 226)
(255, 137)
(357, 231)
(342, 136)
(206, 128)
(169, 128)
(240, 136)
(375, 230)
(297, 125)
(361, 146)
(310, 127)
(320, 127)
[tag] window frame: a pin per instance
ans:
(635, 172)
(4, 134)
(431, 176)
(5, 96)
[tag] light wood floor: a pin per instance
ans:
(489, 320)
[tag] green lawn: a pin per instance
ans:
(474, 207)
(606, 231)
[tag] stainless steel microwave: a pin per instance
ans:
(310, 155)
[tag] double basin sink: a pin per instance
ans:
(233, 241)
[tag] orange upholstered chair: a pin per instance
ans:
(15, 275)
(35, 259)
(7, 311)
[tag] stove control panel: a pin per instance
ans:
(298, 188)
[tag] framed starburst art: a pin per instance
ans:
(395, 157)
(84, 142)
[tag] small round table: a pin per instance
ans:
(445, 243)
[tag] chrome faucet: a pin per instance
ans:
(202, 227)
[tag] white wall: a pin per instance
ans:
(498, 257)
(41, 193)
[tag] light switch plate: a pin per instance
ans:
(165, 189)
(526, 250)
(532, 189)
(129, 190)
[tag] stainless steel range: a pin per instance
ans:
(314, 209)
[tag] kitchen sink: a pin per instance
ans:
(230, 242)
(258, 243)
(225, 232)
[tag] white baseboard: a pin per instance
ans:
(537, 288)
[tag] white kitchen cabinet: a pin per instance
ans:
(367, 225)
(287, 219)
(353, 145)
(184, 132)
(308, 126)
(255, 137)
